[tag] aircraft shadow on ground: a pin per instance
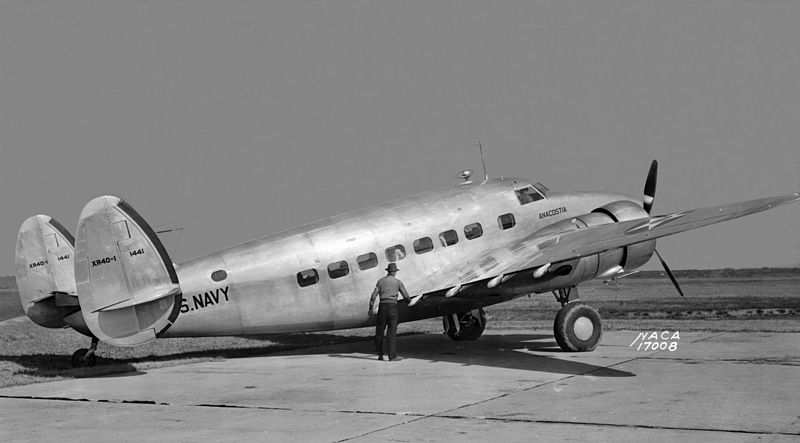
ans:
(59, 365)
(56, 365)
(517, 351)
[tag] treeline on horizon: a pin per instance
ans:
(11, 283)
(722, 273)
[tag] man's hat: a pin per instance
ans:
(392, 267)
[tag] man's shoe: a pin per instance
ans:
(395, 359)
(380, 357)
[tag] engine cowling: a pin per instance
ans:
(623, 210)
(629, 257)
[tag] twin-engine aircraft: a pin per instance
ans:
(459, 250)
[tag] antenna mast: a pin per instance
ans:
(485, 174)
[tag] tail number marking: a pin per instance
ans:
(205, 300)
(37, 264)
(103, 261)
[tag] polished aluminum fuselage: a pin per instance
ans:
(260, 293)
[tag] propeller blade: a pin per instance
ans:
(650, 187)
(669, 273)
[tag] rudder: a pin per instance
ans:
(127, 285)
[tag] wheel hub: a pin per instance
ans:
(583, 328)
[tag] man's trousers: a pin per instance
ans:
(387, 319)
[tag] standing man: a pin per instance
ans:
(387, 289)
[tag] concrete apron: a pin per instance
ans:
(506, 386)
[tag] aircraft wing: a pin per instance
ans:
(538, 250)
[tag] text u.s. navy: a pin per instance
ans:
(462, 248)
(205, 300)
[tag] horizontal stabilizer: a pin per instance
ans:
(44, 259)
(128, 288)
(43, 296)
(66, 299)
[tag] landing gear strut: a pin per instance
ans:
(85, 357)
(577, 327)
(465, 325)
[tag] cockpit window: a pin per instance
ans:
(528, 195)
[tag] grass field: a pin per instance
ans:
(750, 301)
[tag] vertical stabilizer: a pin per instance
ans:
(44, 259)
(127, 284)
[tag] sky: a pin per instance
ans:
(245, 118)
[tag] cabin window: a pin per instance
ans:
(219, 275)
(423, 245)
(367, 261)
(307, 277)
(395, 253)
(528, 195)
(338, 269)
(448, 238)
(473, 231)
(506, 221)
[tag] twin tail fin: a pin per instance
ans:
(128, 288)
(44, 271)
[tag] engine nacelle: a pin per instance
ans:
(568, 273)
(623, 210)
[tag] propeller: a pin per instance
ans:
(650, 187)
(669, 273)
(647, 204)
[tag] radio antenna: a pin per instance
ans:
(485, 174)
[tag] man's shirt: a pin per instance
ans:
(387, 289)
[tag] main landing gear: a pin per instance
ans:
(577, 327)
(85, 357)
(465, 325)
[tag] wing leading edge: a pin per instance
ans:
(538, 250)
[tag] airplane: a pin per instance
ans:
(459, 250)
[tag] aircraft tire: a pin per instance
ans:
(475, 330)
(577, 327)
(77, 359)
(461, 332)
